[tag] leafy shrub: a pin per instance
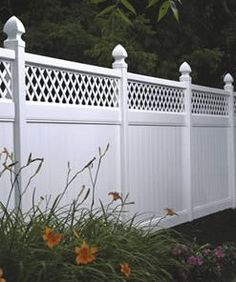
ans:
(206, 263)
(75, 243)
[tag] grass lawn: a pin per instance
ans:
(216, 229)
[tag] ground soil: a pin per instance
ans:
(216, 229)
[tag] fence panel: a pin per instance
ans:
(172, 143)
(210, 166)
(210, 108)
(60, 143)
(156, 179)
(73, 110)
(6, 116)
(155, 134)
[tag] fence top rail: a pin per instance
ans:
(155, 80)
(7, 54)
(50, 62)
(210, 90)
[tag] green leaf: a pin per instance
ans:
(174, 10)
(124, 17)
(107, 10)
(86, 196)
(163, 10)
(128, 6)
(97, 1)
(152, 3)
(103, 209)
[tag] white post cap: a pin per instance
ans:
(14, 29)
(119, 54)
(185, 71)
(228, 80)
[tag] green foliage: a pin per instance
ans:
(206, 262)
(88, 30)
(25, 253)
(174, 9)
(123, 7)
(163, 10)
(128, 6)
(207, 60)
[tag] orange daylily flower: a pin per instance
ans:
(170, 212)
(1, 276)
(125, 269)
(115, 196)
(85, 254)
(52, 238)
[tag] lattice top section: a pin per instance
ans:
(234, 103)
(70, 87)
(5, 80)
(153, 97)
(205, 103)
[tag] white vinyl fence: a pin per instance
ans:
(171, 142)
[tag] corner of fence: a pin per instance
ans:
(228, 80)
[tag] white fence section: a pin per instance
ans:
(172, 144)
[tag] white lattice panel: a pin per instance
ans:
(68, 87)
(234, 104)
(204, 103)
(153, 97)
(5, 80)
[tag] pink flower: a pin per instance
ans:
(219, 252)
(195, 260)
(180, 250)
(207, 252)
(176, 251)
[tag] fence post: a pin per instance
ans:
(119, 54)
(14, 30)
(185, 77)
(228, 80)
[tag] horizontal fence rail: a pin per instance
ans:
(172, 143)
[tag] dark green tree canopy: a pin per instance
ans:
(88, 30)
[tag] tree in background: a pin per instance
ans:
(87, 31)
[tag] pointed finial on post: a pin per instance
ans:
(119, 54)
(14, 29)
(185, 71)
(228, 80)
